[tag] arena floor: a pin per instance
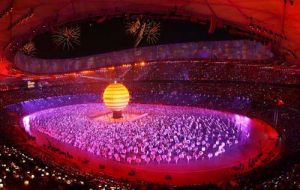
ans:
(251, 144)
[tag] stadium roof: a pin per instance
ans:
(18, 17)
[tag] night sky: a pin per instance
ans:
(111, 36)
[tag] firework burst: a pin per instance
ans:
(152, 33)
(143, 29)
(132, 27)
(29, 49)
(67, 37)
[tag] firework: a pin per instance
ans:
(152, 33)
(132, 27)
(29, 49)
(141, 29)
(140, 35)
(67, 37)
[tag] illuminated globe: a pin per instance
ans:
(116, 98)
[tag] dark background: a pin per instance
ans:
(111, 35)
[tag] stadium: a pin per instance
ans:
(134, 94)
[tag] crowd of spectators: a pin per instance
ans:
(203, 50)
(255, 100)
(20, 171)
(206, 71)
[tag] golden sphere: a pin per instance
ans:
(116, 96)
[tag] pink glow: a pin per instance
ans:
(26, 123)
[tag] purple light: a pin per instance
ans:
(190, 133)
(243, 122)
